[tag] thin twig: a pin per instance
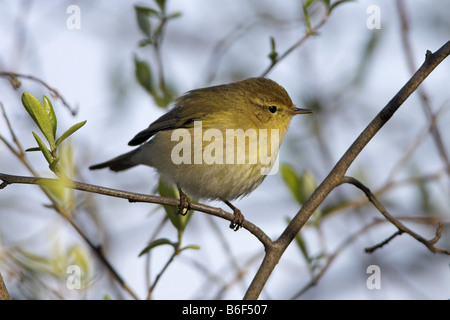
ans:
(351, 239)
(384, 242)
(220, 48)
(238, 276)
(330, 259)
(136, 197)
(400, 226)
(225, 245)
(99, 253)
(355, 204)
(20, 153)
(15, 82)
(150, 291)
(165, 218)
(308, 34)
(424, 98)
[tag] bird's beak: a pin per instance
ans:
(300, 111)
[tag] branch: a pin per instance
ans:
(423, 96)
(152, 287)
(400, 226)
(384, 242)
(134, 197)
(308, 34)
(15, 82)
(334, 178)
(351, 239)
(331, 258)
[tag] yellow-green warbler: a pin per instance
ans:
(215, 143)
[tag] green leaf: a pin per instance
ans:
(337, 3)
(300, 242)
(67, 166)
(174, 15)
(57, 188)
(179, 221)
(144, 75)
(79, 256)
(191, 246)
(305, 7)
(292, 180)
(164, 100)
(146, 10)
(31, 103)
(424, 200)
(54, 164)
(157, 243)
(61, 189)
(43, 148)
(142, 16)
(161, 5)
(33, 149)
(327, 3)
(302, 246)
(69, 132)
(307, 3)
(307, 185)
(145, 42)
(39, 116)
(30, 261)
(50, 114)
(307, 20)
(273, 53)
(301, 186)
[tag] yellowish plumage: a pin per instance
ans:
(251, 109)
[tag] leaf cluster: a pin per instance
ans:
(44, 117)
(153, 36)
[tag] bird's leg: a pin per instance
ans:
(238, 219)
(185, 203)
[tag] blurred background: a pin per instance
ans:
(118, 64)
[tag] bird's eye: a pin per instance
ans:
(272, 109)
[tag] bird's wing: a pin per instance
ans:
(174, 119)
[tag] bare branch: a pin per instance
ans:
(384, 242)
(400, 226)
(15, 82)
(424, 98)
(135, 197)
(332, 257)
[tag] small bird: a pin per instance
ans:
(216, 143)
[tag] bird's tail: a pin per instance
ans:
(120, 163)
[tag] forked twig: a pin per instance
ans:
(400, 226)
